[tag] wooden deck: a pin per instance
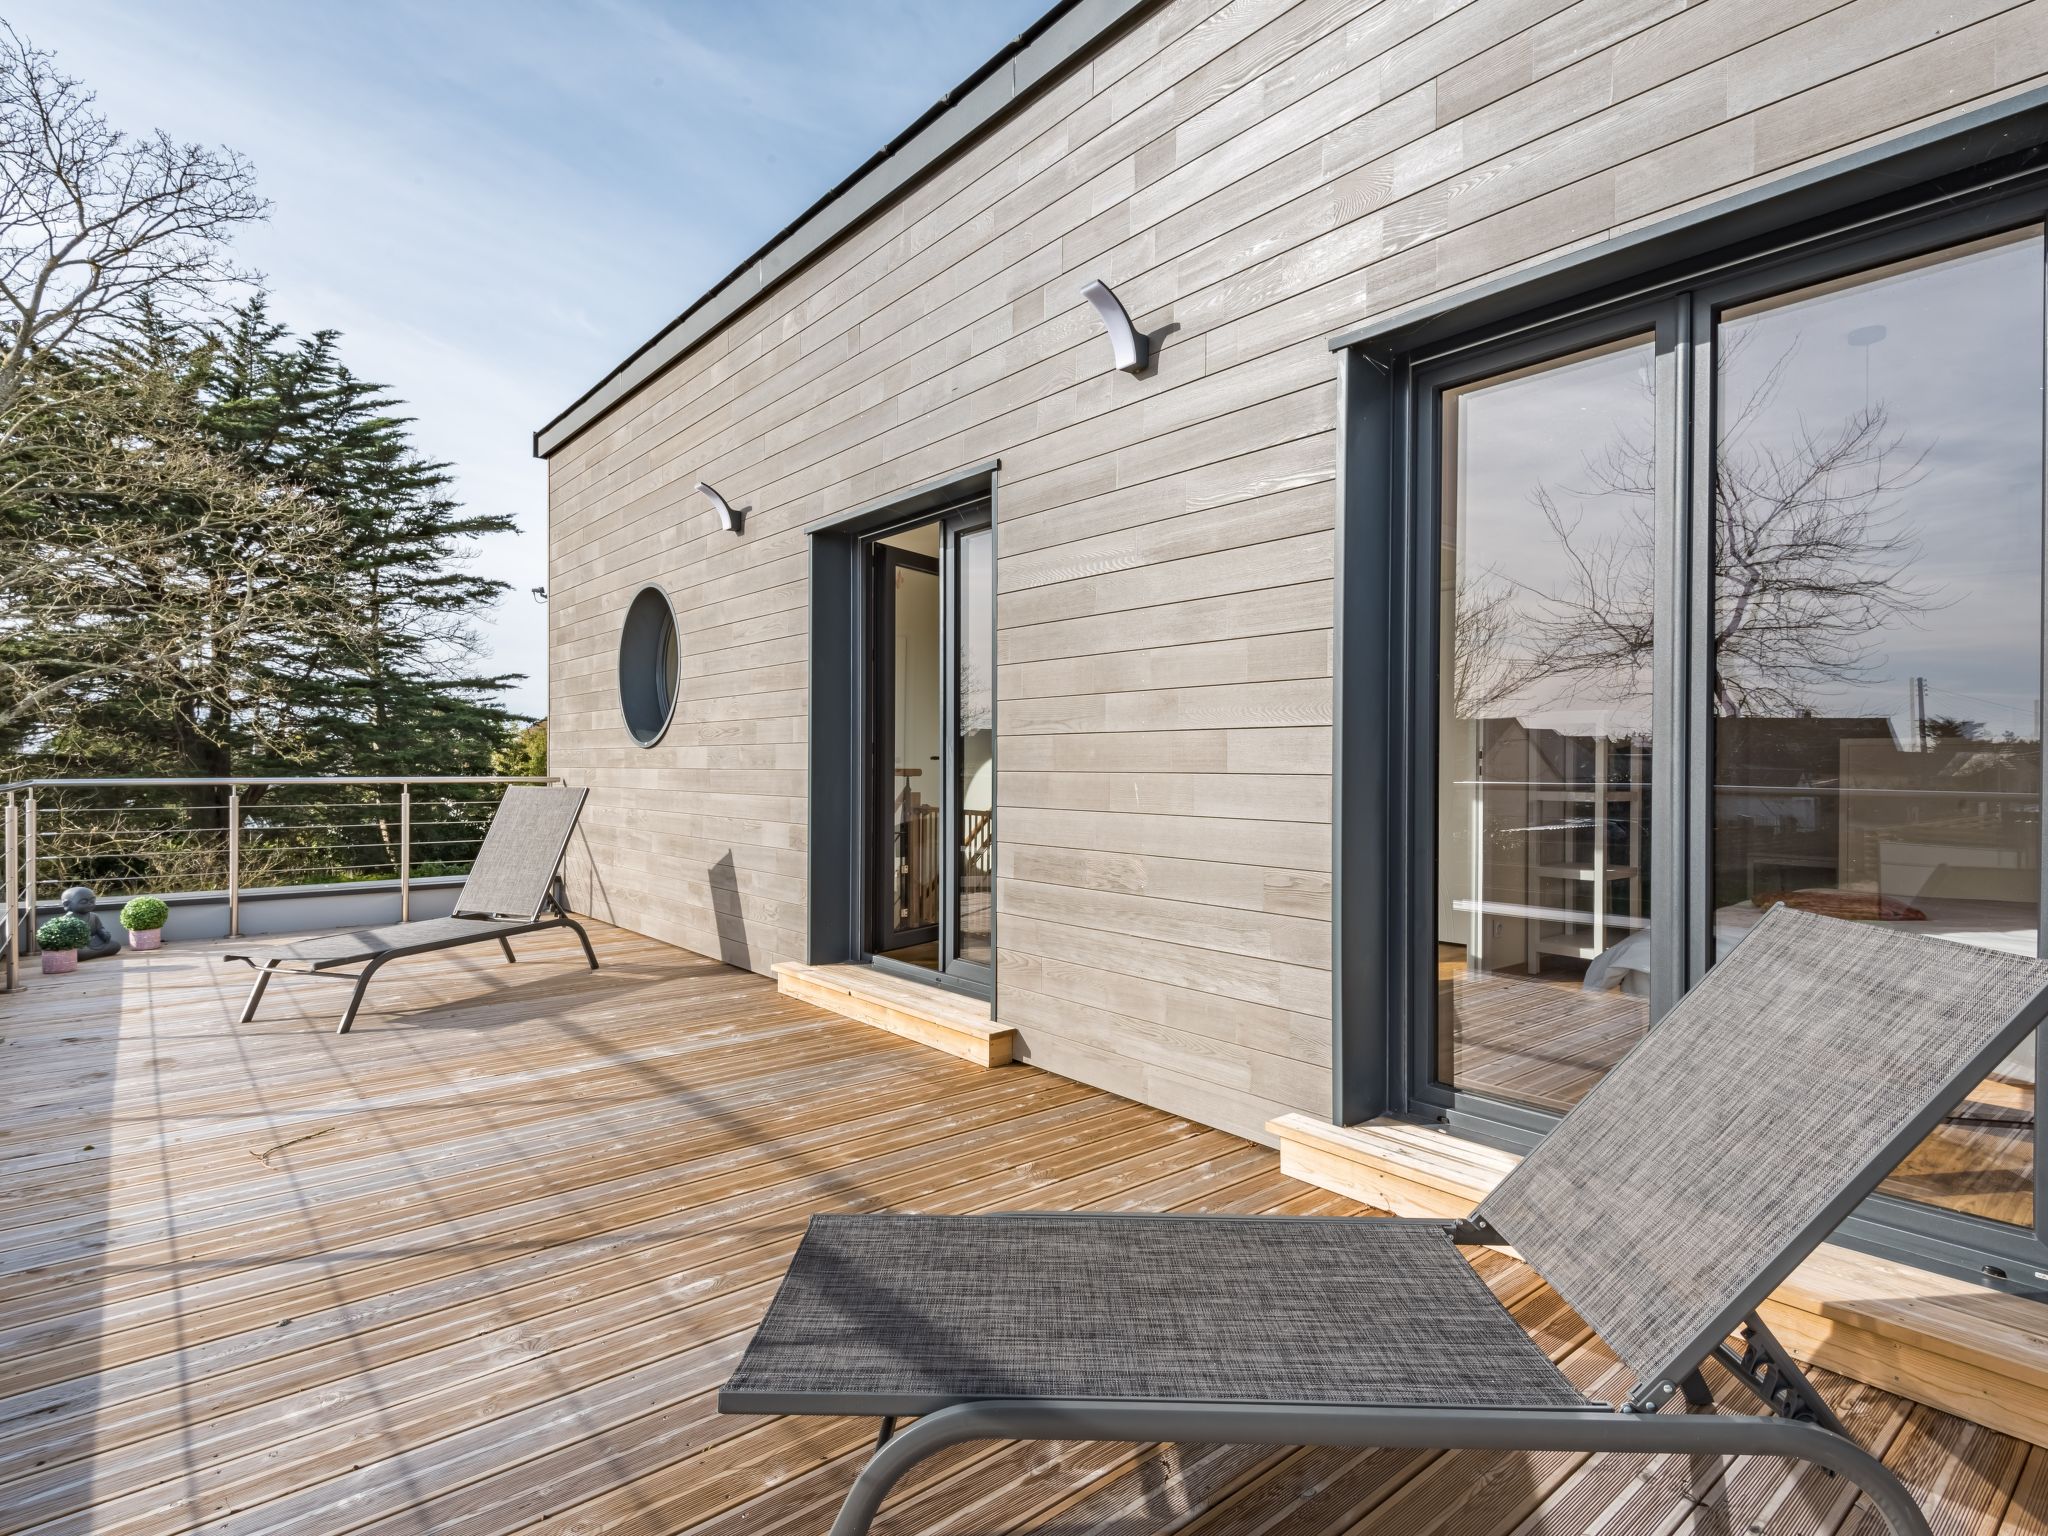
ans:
(481, 1266)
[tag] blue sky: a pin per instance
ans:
(497, 199)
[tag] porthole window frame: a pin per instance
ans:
(641, 649)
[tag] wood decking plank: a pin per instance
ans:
(419, 1340)
(216, 1307)
(1962, 1474)
(478, 1510)
(2027, 1513)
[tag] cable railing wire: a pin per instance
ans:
(222, 836)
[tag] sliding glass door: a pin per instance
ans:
(931, 645)
(1727, 597)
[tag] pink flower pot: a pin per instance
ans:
(57, 961)
(148, 939)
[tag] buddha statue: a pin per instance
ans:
(79, 901)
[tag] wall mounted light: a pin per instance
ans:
(732, 519)
(1131, 346)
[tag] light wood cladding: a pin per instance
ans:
(1250, 177)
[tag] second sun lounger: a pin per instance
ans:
(1691, 1181)
(511, 890)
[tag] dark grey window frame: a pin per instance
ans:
(840, 706)
(1976, 175)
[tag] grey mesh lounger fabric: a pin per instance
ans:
(1758, 1112)
(509, 889)
(1664, 1209)
(889, 1311)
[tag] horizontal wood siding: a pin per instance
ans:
(1250, 177)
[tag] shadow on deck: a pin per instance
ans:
(481, 1266)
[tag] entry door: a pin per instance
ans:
(931, 777)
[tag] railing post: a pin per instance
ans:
(11, 876)
(28, 881)
(405, 853)
(234, 861)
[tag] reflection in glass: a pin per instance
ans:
(975, 704)
(1543, 857)
(1877, 676)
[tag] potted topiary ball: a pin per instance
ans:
(144, 918)
(61, 938)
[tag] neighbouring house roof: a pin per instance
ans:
(982, 99)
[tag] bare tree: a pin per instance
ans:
(94, 221)
(1810, 562)
(1598, 632)
(1486, 667)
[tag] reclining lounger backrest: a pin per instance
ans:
(520, 852)
(1746, 1124)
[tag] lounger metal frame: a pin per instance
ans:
(1594, 1430)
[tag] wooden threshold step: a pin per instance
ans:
(959, 1026)
(1979, 1354)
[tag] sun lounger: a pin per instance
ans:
(511, 890)
(1692, 1180)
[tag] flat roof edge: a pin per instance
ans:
(1066, 31)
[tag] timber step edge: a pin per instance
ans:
(1977, 1353)
(959, 1026)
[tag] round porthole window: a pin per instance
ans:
(648, 665)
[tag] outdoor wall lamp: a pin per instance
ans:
(732, 519)
(1131, 346)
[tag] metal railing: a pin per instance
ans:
(224, 837)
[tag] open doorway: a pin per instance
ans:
(930, 781)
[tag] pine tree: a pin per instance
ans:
(403, 699)
(220, 553)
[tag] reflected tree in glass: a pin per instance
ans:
(1543, 792)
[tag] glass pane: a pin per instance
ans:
(669, 675)
(976, 748)
(1543, 792)
(914, 881)
(1877, 642)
